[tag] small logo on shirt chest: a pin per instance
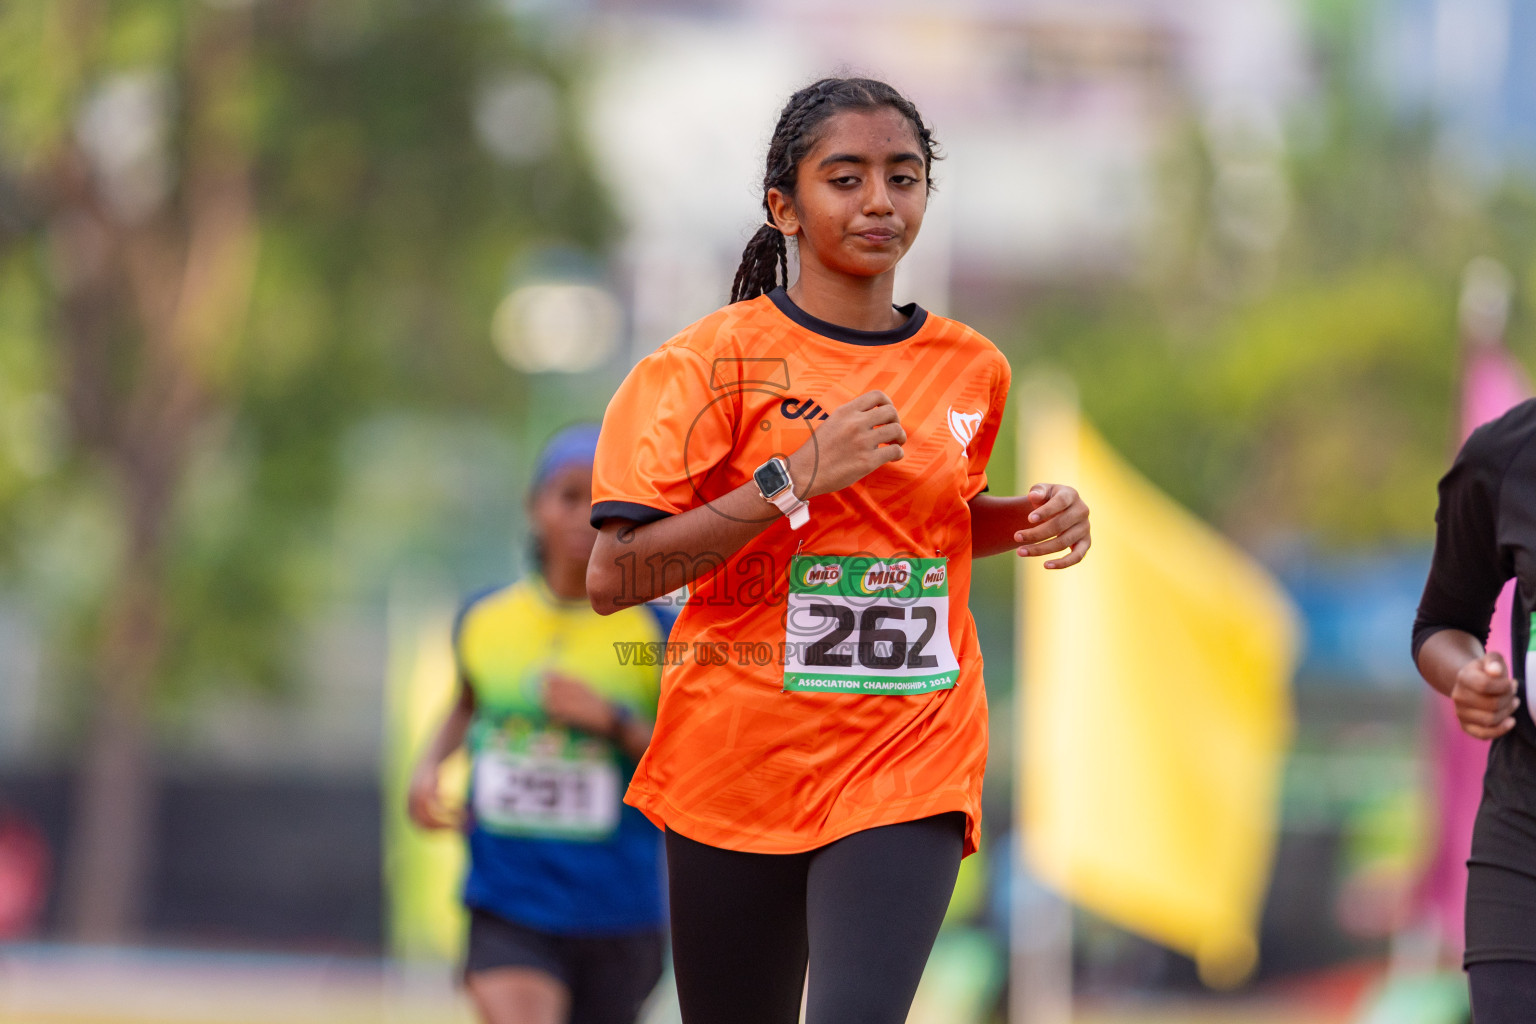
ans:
(963, 425)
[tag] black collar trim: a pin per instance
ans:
(915, 314)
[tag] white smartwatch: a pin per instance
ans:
(773, 483)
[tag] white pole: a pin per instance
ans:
(1040, 953)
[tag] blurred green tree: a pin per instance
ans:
(1287, 362)
(228, 232)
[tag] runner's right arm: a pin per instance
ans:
(633, 563)
(574, 703)
(1465, 577)
(424, 801)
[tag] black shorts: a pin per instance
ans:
(608, 976)
(1501, 874)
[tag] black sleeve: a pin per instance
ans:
(1468, 570)
(602, 511)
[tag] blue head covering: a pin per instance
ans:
(575, 445)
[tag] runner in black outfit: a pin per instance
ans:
(1486, 534)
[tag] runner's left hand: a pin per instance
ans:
(574, 703)
(1059, 521)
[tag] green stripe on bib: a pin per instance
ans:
(867, 576)
(819, 682)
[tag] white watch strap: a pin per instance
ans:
(799, 512)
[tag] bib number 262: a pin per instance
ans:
(869, 626)
(877, 646)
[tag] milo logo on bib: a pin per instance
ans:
(864, 625)
(885, 577)
(819, 574)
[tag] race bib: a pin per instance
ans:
(549, 790)
(865, 625)
(1530, 663)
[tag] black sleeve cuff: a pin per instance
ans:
(631, 510)
(1428, 624)
(1421, 633)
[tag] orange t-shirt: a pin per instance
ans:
(828, 679)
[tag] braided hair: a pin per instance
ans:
(766, 257)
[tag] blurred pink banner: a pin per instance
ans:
(1492, 383)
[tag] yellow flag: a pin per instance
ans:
(422, 870)
(1155, 710)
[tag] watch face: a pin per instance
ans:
(771, 478)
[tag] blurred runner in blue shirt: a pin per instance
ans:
(556, 704)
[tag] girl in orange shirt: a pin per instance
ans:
(811, 461)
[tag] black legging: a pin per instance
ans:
(864, 910)
(1503, 991)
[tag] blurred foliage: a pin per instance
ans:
(386, 231)
(1287, 366)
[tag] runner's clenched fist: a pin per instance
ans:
(855, 439)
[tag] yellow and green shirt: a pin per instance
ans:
(552, 846)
